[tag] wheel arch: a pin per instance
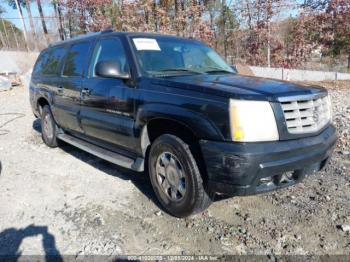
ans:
(197, 124)
(42, 101)
(43, 98)
(158, 126)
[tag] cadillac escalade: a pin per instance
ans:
(173, 108)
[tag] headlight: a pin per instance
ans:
(252, 121)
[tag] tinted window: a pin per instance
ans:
(110, 50)
(50, 65)
(76, 59)
(39, 63)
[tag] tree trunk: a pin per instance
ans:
(183, 23)
(15, 36)
(42, 20)
(70, 28)
(176, 12)
(31, 23)
(3, 44)
(154, 11)
(176, 4)
(268, 43)
(20, 14)
(57, 8)
(56, 14)
(223, 10)
(6, 35)
(60, 17)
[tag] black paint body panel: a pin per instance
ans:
(113, 112)
(236, 168)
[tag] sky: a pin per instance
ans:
(12, 14)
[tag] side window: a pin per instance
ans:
(109, 50)
(38, 68)
(76, 59)
(53, 58)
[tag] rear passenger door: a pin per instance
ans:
(67, 100)
(107, 109)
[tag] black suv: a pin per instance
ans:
(173, 106)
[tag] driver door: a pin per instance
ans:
(107, 104)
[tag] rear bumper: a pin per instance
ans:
(251, 168)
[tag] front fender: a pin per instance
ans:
(201, 126)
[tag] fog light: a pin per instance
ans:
(265, 180)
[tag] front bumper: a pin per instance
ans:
(251, 168)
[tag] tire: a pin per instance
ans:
(48, 127)
(175, 177)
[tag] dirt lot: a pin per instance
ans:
(64, 201)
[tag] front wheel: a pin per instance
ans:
(175, 177)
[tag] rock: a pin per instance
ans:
(247, 218)
(334, 217)
(297, 237)
(165, 246)
(243, 230)
(210, 229)
(158, 213)
(345, 152)
(344, 228)
(98, 220)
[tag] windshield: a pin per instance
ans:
(171, 56)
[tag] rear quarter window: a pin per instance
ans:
(48, 63)
(39, 63)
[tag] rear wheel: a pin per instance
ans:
(48, 127)
(175, 177)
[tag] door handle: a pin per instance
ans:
(60, 89)
(85, 91)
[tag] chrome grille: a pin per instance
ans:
(306, 114)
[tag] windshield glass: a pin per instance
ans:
(171, 56)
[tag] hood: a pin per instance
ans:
(238, 86)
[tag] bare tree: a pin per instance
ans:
(16, 4)
(43, 24)
(57, 7)
(31, 23)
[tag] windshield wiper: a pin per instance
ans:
(218, 70)
(179, 70)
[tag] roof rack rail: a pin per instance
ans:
(79, 37)
(105, 31)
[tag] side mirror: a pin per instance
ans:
(110, 69)
(234, 68)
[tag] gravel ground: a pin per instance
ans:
(64, 201)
